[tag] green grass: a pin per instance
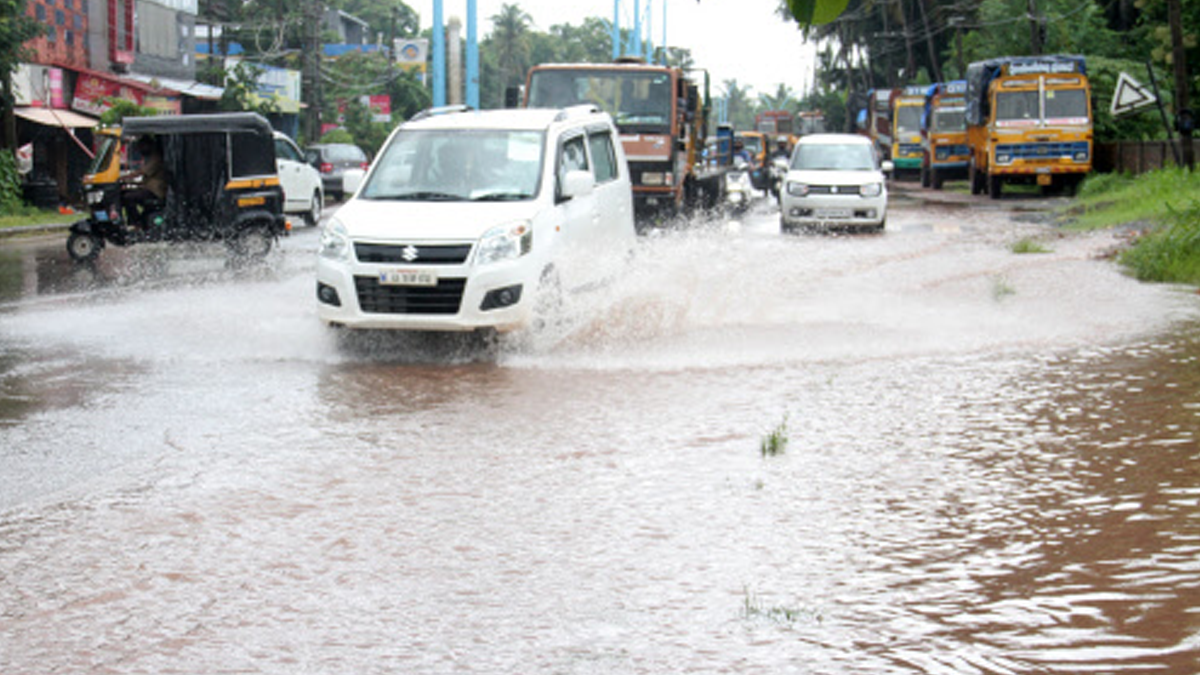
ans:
(28, 215)
(1114, 199)
(1028, 245)
(775, 442)
(1169, 253)
(753, 608)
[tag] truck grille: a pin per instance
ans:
(412, 254)
(1042, 150)
(375, 298)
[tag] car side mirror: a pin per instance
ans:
(577, 183)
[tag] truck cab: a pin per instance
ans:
(946, 154)
(906, 150)
(1029, 120)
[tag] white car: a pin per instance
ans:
(303, 193)
(834, 180)
(472, 220)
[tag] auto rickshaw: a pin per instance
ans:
(222, 185)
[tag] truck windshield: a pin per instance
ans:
(1066, 105)
(908, 119)
(1017, 107)
(950, 120)
(458, 165)
(634, 99)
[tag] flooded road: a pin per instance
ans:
(990, 467)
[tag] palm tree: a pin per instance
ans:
(511, 43)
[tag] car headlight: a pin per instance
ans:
(797, 189)
(335, 241)
(505, 242)
(871, 190)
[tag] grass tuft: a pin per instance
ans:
(1028, 245)
(1171, 253)
(775, 442)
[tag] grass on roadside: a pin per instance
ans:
(28, 215)
(1027, 245)
(1170, 253)
(775, 442)
(1114, 199)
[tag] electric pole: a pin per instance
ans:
(1184, 117)
(310, 75)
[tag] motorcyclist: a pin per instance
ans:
(740, 152)
(781, 148)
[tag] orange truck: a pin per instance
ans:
(662, 116)
(944, 130)
(1029, 120)
(906, 113)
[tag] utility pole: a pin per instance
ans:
(1184, 117)
(311, 74)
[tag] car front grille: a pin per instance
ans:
(411, 254)
(833, 189)
(376, 298)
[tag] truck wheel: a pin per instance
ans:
(973, 179)
(935, 179)
(925, 178)
(83, 247)
(995, 186)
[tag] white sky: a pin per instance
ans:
(732, 39)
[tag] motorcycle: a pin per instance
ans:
(738, 187)
(778, 170)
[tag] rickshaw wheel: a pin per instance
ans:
(83, 246)
(252, 242)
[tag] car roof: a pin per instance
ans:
(532, 119)
(835, 139)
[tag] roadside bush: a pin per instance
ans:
(1169, 254)
(10, 183)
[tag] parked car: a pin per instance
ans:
(834, 180)
(472, 220)
(333, 161)
(303, 193)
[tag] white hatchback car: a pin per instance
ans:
(834, 180)
(303, 193)
(473, 220)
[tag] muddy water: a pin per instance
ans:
(990, 468)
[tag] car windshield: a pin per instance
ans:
(344, 153)
(833, 157)
(458, 165)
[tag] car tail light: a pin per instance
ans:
(364, 166)
(326, 167)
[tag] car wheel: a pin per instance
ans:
(83, 247)
(313, 216)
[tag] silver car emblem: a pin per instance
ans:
(410, 253)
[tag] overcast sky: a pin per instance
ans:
(733, 39)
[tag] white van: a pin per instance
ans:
(478, 220)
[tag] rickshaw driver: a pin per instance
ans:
(153, 189)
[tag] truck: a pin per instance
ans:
(809, 122)
(945, 153)
(875, 120)
(774, 123)
(662, 116)
(1029, 121)
(907, 109)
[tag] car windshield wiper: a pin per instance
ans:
(501, 197)
(426, 196)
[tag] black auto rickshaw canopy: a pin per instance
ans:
(241, 143)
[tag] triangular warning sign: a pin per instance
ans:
(1130, 96)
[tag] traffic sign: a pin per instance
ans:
(1130, 96)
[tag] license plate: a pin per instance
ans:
(1044, 179)
(101, 216)
(832, 213)
(408, 278)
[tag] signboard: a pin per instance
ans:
(1130, 96)
(91, 90)
(411, 53)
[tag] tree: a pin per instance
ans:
(738, 105)
(16, 28)
(510, 43)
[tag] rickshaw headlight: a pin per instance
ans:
(335, 241)
(95, 196)
(505, 242)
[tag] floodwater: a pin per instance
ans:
(990, 466)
